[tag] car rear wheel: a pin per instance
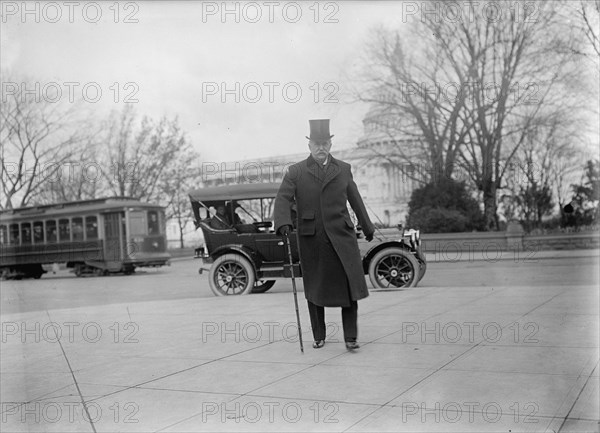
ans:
(394, 268)
(231, 274)
(261, 286)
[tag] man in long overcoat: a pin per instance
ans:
(321, 186)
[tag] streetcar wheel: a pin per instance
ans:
(231, 274)
(129, 270)
(261, 286)
(394, 268)
(34, 271)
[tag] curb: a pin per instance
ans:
(476, 256)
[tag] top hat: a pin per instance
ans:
(319, 130)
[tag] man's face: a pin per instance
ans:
(221, 210)
(319, 149)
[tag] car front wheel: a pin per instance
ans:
(394, 268)
(231, 274)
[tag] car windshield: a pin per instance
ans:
(244, 211)
(254, 210)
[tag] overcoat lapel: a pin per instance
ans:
(333, 170)
(312, 167)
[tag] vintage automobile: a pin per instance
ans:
(243, 254)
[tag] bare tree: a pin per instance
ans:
(530, 178)
(410, 107)
(152, 161)
(178, 180)
(79, 179)
(588, 13)
(545, 165)
(38, 137)
(470, 90)
(138, 158)
(519, 67)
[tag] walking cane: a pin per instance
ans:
(289, 251)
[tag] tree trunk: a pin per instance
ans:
(180, 233)
(438, 176)
(489, 205)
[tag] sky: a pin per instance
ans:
(284, 62)
(190, 59)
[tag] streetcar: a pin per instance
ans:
(242, 254)
(99, 236)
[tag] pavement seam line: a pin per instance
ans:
(452, 360)
(244, 394)
(249, 393)
(138, 385)
(433, 315)
(40, 398)
(73, 376)
(577, 399)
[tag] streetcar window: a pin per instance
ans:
(14, 234)
(153, 227)
(77, 228)
(51, 231)
(91, 227)
(38, 232)
(137, 223)
(64, 230)
(3, 235)
(25, 233)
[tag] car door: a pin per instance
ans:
(272, 248)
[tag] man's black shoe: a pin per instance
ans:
(352, 345)
(318, 344)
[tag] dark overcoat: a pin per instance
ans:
(330, 259)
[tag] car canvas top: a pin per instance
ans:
(235, 192)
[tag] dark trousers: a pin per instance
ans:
(349, 321)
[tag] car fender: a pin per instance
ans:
(366, 260)
(252, 256)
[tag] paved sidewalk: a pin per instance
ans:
(432, 359)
